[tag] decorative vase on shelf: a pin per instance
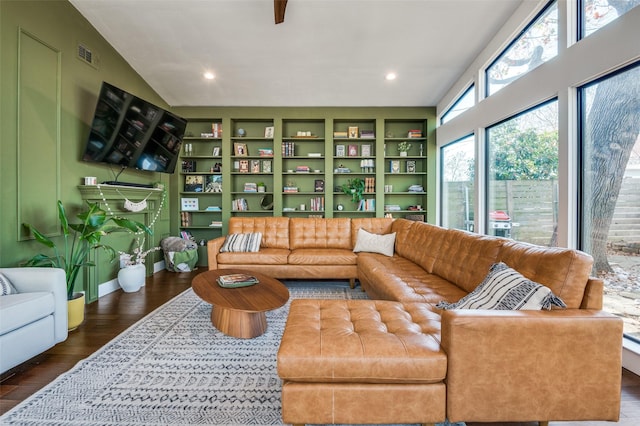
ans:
(131, 278)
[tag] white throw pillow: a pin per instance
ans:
(375, 243)
(242, 242)
(505, 288)
(5, 286)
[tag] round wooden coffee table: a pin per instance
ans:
(240, 312)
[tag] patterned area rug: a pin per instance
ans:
(173, 368)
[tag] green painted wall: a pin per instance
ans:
(47, 100)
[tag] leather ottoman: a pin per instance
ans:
(362, 361)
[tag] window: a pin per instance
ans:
(595, 14)
(457, 192)
(610, 192)
(536, 44)
(522, 175)
(464, 102)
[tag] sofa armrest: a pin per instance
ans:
(213, 248)
(532, 365)
(29, 280)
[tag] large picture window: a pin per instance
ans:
(522, 176)
(610, 167)
(457, 192)
(595, 14)
(537, 43)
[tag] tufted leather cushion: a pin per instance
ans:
(374, 225)
(320, 233)
(563, 270)
(266, 256)
(361, 341)
(275, 230)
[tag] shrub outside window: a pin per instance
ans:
(537, 43)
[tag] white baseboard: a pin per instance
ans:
(111, 286)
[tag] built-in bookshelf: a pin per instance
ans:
(297, 167)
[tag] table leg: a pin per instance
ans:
(244, 325)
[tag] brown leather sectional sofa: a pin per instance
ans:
(398, 359)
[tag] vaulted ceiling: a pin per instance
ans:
(325, 53)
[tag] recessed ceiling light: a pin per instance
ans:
(390, 76)
(209, 75)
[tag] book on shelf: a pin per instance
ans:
(394, 166)
(239, 205)
(216, 128)
(185, 219)
(216, 224)
(255, 166)
(369, 184)
(353, 150)
(265, 152)
(414, 133)
(288, 149)
(314, 154)
(244, 166)
(188, 166)
(340, 151)
(290, 189)
(266, 166)
(367, 205)
(367, 134)
(365, 150)
(317, 204)
(340, 135)
(250, 187)
(303, 169)
(213, 209)
(213, 183)
(186, 235)
(353, 132)
(318, 185)
(411, 166)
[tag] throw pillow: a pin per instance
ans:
(375, 243)
(5, 286)
(242, 242)
(505, 288)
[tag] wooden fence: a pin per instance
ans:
(533, 209)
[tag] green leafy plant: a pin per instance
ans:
(404, 146)
(355, 188)
(79, 239)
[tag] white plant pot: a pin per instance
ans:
(131, 278)
(403, 153)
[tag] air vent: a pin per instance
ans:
(86, 55)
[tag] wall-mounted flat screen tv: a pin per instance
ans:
(130, 132)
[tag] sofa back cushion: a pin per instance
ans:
(373, 225)
(275, 230)
(564, 271)
(320, 233)
(457, 256)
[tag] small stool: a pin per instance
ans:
(362, 361)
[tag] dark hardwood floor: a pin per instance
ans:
(115, 312)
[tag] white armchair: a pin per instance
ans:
(34, 319)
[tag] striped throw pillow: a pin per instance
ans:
(505, 288)
(5, 286)
(242, 242)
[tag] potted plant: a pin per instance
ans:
(403, 148)
(78, 241)
(132, 270)
(355, 188)
(261, 187)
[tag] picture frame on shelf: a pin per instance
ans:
(244, 166)
(240, 149)
(194, 183)
(353, 150)
(216, 151)
(189, 204)
(255, 166)
(394, 166)
(365, 150)
(266, 166)
(353, 132)
(318, 185)
(340, 150)
(411, 166)
(268, 132)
